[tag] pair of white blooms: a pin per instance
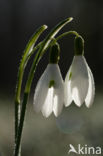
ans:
(52, 92)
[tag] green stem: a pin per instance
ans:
(34, 49)
(40, 53)
(66, 34)
(53, 40)
(43, 48)
(17, 149)
(27, 52)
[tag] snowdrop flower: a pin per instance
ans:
(79, 81)
(49, 93)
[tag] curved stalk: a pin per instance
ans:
(27, 51)
(38, 56)
(66, 34)
(53, 40)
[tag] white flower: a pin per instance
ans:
(79, 83)
(49, 93)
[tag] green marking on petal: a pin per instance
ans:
(70, 75)
(51, 83)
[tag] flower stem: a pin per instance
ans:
(24, 60)
(66, 34)
(20, 75)
(20, 127)
(43, 48)
(39, 54)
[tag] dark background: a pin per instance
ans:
(18, 21)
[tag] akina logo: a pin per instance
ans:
(84, 150)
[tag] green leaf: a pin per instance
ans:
(23, 62)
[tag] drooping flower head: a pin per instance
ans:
(79, 81)
(49, 93)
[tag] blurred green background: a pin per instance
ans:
(52, 136)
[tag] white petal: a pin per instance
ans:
(48, 103)
(67, 89)
(91, 90)
(79, 80)
(41, 90)
(58, 100)
(55, 74)
(43, 98)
